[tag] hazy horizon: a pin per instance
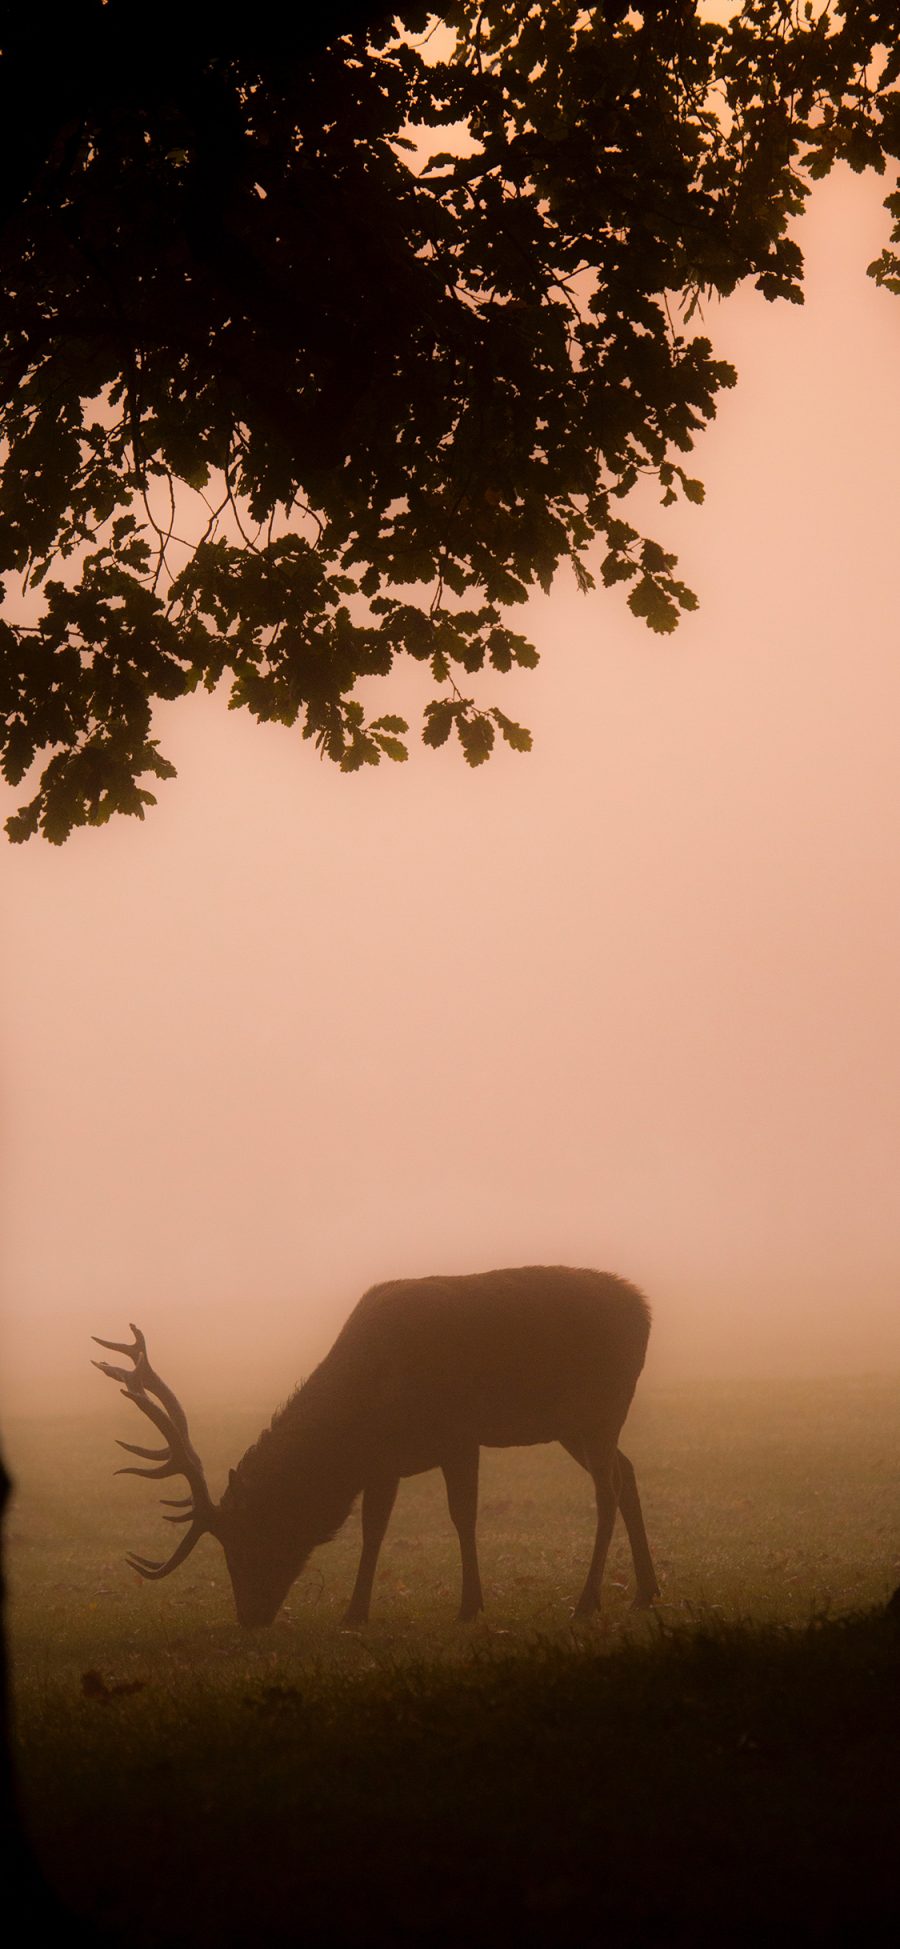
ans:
(628, 1001)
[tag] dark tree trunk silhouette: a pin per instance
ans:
(25, 1891)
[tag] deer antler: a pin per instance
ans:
(178, 1457)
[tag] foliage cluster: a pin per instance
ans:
(316, 353)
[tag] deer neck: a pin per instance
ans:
(307, 1470)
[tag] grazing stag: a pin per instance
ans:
(424, 1372)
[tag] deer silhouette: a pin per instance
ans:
(424, 1374)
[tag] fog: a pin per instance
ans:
(629, 1001)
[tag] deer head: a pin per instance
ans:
(261, 1564)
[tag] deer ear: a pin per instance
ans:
(232, 1476)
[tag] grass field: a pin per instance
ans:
(723, 1768)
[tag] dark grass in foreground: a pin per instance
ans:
(684, 1778)
(735, 1784)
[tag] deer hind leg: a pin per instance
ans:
(601, 1461)
(377, 1503)
(461, 1477)
(633, 1518)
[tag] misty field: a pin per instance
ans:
(720, 1770)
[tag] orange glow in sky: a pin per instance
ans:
(630, 1001)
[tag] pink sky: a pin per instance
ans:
(630, 1001)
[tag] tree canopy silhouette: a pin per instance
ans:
(322, 343)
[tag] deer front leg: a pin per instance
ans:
(461, 1477)
(377, 1503)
